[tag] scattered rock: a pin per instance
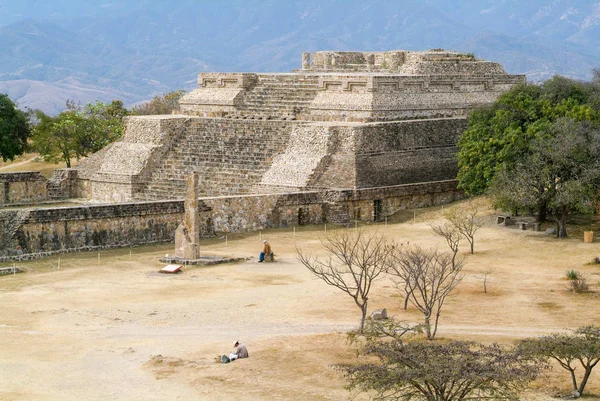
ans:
(379, 314)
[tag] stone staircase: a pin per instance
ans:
(59, 185)
(231, 157)
(278, 96)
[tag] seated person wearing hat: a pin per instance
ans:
(266, 252)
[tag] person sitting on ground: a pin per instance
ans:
(240, 351)
(266, 251)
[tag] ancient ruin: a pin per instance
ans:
(350, 135)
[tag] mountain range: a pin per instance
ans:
(54, 50)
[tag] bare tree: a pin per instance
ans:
(484, 277)
(427, 277)
(450, 233)
(466, 220)
(356, 259)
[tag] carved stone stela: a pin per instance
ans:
(187, 235)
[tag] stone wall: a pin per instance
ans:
(401, 62)
(45, 231)
(326, 156)
(407, 152)
(360, 204)
(444, 88)
(22, 188)
(31, 233)
(368, 97)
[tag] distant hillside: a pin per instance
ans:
(53, 50)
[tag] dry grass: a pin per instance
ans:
(31, 162)
(119, 330)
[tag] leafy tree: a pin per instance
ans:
(164, 104)
(78, 131)
(582, 348)
(355, 261)
(14, 129)
(58, 138)
(427, 278)
(501, 135)
(103, 124)
(562, 172)
(432, 371)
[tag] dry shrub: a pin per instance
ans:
(579, 285)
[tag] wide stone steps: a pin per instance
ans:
(223, 183)
(337, 215)
(280, 103)
(278, 96)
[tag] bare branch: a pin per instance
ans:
(355, 260)
(466, 220)
(427, 277)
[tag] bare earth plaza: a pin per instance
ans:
(350, 142)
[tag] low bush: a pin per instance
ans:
(573, 274)
(580, 285)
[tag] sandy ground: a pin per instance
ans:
(32, 162)
(118, 330)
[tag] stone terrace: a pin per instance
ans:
(347, 120)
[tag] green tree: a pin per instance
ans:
(500, 135)
(581, 348)
(78, 131)
(58, 138)
(430, 371)
(561, 172)
(164, 104)
(104, 124)
(14, 129)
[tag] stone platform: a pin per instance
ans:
(202, 261)
(5, 271)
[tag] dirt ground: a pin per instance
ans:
(115, 329)
(32, 162)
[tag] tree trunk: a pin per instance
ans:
(428, 328)
(586, 376)
(542, 212)
(561, 221)
(472, 242)
(363, 310)
(573, 379)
